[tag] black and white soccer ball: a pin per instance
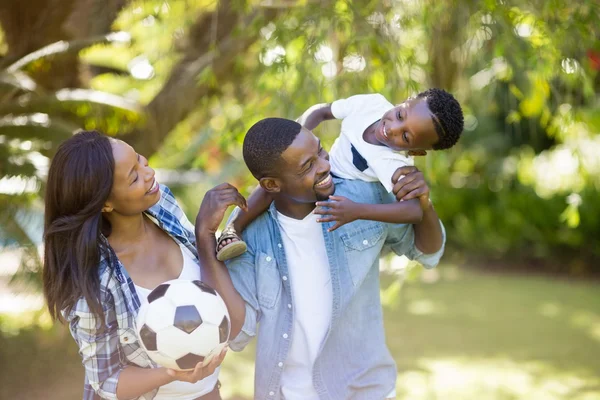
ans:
(184, 322)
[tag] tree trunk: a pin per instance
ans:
(214, 42)
(33, 24)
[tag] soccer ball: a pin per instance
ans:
(184, 322)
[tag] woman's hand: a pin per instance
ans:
(339, 209)
(214, 204)
(200, 372)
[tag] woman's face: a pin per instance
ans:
(134, 188)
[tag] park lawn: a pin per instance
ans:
(472, 335)
(464, 335)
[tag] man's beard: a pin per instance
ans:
(323, 197)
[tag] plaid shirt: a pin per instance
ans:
(106, 352)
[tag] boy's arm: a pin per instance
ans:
(343, 211)
(316, 114)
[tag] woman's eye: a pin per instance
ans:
(399, 115)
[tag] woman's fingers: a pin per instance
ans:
(237, 199)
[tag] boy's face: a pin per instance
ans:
(407, 126)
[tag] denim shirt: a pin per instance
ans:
(353, 361)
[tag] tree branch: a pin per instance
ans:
(182, 91)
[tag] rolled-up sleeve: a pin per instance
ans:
(401, 239)
(99, 349)
(242, 271)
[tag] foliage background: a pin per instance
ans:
(182, 81)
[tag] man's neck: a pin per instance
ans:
(293, 209)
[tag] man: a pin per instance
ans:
(312, 296)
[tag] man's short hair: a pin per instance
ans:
(448, 121)
(264, 143)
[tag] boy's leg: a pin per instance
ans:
(230, 244)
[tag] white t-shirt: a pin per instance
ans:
(179, 390)
(357, 114)
(310, 280)
(312, 298)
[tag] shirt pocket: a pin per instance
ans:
(362, 245)
(128, 340)
(268, 280)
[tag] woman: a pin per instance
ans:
(112, 233)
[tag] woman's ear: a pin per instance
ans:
(270, 185)
(107, 208)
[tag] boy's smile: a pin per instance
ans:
(407, 126)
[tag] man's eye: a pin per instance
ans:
(405, 137)
(399, 115)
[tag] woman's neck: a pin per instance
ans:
(126, 230)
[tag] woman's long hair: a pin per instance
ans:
(79, 182)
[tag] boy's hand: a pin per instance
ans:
(339, 209)
(409, 183)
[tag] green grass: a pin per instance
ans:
(466, 335)
(478, 336)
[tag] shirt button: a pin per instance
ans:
(284, 278)
(285, 335)
(289, 305)
(268, 258)
(279, 245)
(280, 364)
(271, 393)
(365, 242)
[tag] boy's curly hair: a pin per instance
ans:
(447, 116)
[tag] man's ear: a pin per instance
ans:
(417, 153)
(270, 185)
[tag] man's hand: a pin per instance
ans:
(340, 209)
(199, 372)
(409, 184)
(214, 204)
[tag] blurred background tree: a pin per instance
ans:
(183, 80)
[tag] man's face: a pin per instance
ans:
(304, 176)
(407, 126)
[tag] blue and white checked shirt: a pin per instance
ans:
(106, 352)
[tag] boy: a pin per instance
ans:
(376, 139)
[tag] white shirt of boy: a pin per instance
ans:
(357, 114)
